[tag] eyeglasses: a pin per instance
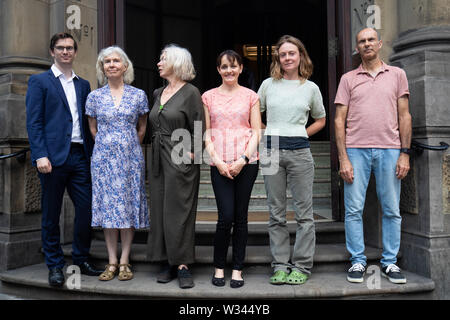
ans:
(61, 48)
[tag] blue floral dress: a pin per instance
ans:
(117, 164)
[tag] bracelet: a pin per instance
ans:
(247, 160)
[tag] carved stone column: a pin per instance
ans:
(423, 51)
(23, 26)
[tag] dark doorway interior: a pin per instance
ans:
(207, 27)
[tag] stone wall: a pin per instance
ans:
(414, 14)
(422, 49)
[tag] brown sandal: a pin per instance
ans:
(126, 273)
(108, 274)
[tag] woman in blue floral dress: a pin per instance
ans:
(117, 120)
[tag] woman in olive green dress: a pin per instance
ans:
(173, 183)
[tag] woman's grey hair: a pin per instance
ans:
(180, 59)
(128, 76)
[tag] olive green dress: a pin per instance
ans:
(174, 187)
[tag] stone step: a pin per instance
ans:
(326, 232)
(259, 202)
(262, 216)
(320, 172)
(327, 258)
(321, 159)
(320, 147)
(321, 186)
(31, 282)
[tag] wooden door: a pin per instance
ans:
(111, 23)
(339, 27)
(111, 31)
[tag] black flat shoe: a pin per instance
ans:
(236, 283)
(56, 277)
(218, 282)
(89, 270)
(167, 274)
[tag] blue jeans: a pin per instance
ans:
(383, 164)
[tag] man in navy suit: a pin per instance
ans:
(61, 147)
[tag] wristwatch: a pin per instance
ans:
(405, 150)
(245, 158)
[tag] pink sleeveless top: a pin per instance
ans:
(230, 122)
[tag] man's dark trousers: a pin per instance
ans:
(75, 175)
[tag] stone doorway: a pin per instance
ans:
(208, 27)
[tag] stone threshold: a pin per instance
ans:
(324, 285)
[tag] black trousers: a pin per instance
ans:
(232, 198)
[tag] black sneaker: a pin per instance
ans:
(394, 274)
(356, 273)
(185, 279)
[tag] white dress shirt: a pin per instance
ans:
(71, 95)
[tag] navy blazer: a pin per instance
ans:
(49, 121)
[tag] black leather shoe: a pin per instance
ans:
(89, 270)
(167, 274)
(56, 277)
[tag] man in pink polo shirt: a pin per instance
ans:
(373, 134)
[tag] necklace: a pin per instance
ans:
(114, 97)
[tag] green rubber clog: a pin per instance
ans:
(279, 277)
(296, 277)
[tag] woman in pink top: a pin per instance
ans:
(233, 124)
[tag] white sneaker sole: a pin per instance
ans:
(396, 281)
(355, 280)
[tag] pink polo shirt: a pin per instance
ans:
(372, 119)
(230, 122)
